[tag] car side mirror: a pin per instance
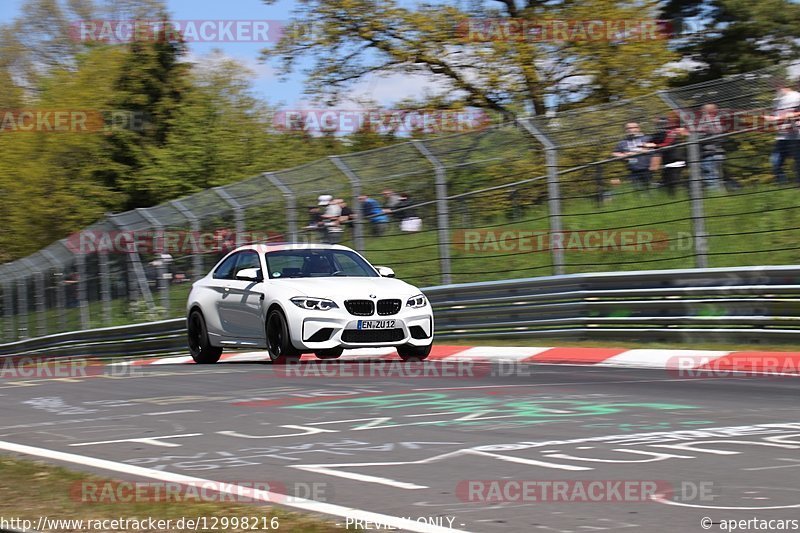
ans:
(249, 274)
(385, 272)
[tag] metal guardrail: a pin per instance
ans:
(745, 304)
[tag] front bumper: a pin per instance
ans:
(337, 328)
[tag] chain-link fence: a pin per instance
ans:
(539, 196)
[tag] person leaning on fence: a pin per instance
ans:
(332, 230)
(372, 211)
(787, 142)
(634, 147)
(409, 221)
(671, 159)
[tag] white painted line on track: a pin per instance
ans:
(258, 495)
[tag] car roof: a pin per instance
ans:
(277, 247)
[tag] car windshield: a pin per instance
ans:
(317, 264)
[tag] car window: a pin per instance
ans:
(284, 266)
(248, 260)
(226, 269)
(348, 265)
(315, 263)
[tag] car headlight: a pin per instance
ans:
(417, 301)
(315, 304)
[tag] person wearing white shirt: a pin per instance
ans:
(787, 142)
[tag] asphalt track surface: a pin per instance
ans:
(449, 450)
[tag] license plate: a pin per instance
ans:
(375, 324)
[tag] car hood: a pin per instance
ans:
(347, 288)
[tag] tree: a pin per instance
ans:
(487, 68)
(735, 36)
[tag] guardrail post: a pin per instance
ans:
(695, 190)
(355, 183)
(83, 302)
(194, 222)
(442, 211)
(291, 203)
(238, 213)
(553, 190)
(8, 310)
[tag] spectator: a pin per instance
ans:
(634, 146)
(372, 211)
(315, 220)
(672, 159)
(346, 217)
(787, 111)
(391, 202)
(409, 221)
(712, 153)
(330, 219)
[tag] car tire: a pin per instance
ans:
(279, 342)
(200, 347)
(332, 353)
(409, 352)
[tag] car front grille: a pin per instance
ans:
(372, 335)
(389, 307)
(360, 307)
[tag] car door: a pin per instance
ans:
(218, 285)
(240, 306)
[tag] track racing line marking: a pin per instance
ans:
(259, 495)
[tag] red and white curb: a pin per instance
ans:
(787, 363)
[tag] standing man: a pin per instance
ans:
(373, 212)
(787, 142)
(633, 147)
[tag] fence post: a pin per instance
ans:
(291, 203)
(136, 275)
(553, 190)
(161, 267)
(22, 307)
(695, 190)
(238, 213)
(61, 300)
(442, 211)
(39, 302)
(355, 183)
(83, 303)
(696, 195)
(8, 311)
(194, 222)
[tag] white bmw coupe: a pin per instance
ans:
(299, 298)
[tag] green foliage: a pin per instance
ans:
(736, 35)
(354, 39)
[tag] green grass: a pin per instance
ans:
(759, 225)
(32, 489)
